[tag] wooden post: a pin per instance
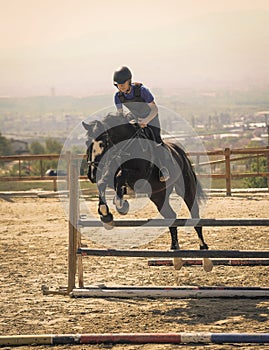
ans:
(78, 246)
(227, 153)
(79, 263)
(55, 184)
(74, 262)
(267, 157)
(68, 160)
(41, 168)
(73, 205)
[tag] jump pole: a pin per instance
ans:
(136, 338)
(216, 262)
(183, 292)
(150, 253)
(178, 222)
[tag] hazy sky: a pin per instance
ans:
(74, 46)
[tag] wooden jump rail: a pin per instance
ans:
(183, 292)
(216, 262)
(177, 222)
(175, 253)
(136, 338)
(76, 253)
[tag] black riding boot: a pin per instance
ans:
(164, 172)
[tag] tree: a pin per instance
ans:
(5, 146)
(259, 165)
(53, 146)
(37, 148)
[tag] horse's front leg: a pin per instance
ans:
(103, 209)
(122, 205)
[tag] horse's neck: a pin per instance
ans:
(122, 133)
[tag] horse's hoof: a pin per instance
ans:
(123, 210)
(207, 265)
(178, 263)
(103, 210)
(107, 221)
(108, 226)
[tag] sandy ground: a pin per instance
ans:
(33, 252)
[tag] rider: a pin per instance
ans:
(146, 112)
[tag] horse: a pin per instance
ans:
(121, 155)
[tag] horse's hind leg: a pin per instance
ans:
(164, 208)
(167, 212)
(207, 263)
(192, 204)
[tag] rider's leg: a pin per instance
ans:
(165, 157)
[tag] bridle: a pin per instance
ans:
(119, 153)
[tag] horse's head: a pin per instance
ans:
(112, 130)
(97, 143)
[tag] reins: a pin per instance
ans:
(122, 152)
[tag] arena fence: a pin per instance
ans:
(227, 157)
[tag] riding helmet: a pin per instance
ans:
(121, 75)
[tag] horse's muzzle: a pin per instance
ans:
(93, 180)
(91, 174)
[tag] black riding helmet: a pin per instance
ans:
(121, 75)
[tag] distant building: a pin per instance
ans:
(19, 146)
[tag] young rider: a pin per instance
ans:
(145, 111)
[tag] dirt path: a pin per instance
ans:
(33, 252)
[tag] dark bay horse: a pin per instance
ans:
(121, 155)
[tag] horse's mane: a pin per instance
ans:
(113, 119)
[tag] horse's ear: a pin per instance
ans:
(87, 126)
(94, 128)
(98, 124)
(98, 128)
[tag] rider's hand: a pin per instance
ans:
(142, 123)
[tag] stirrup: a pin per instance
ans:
(164, 174)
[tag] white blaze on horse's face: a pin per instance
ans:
(97, 151)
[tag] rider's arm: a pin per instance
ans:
(119, 111)
(118, 104)
(152, 114)
(149, 99)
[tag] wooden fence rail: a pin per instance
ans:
(227, 157)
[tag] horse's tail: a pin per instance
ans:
(202, 196)
(192, 183)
